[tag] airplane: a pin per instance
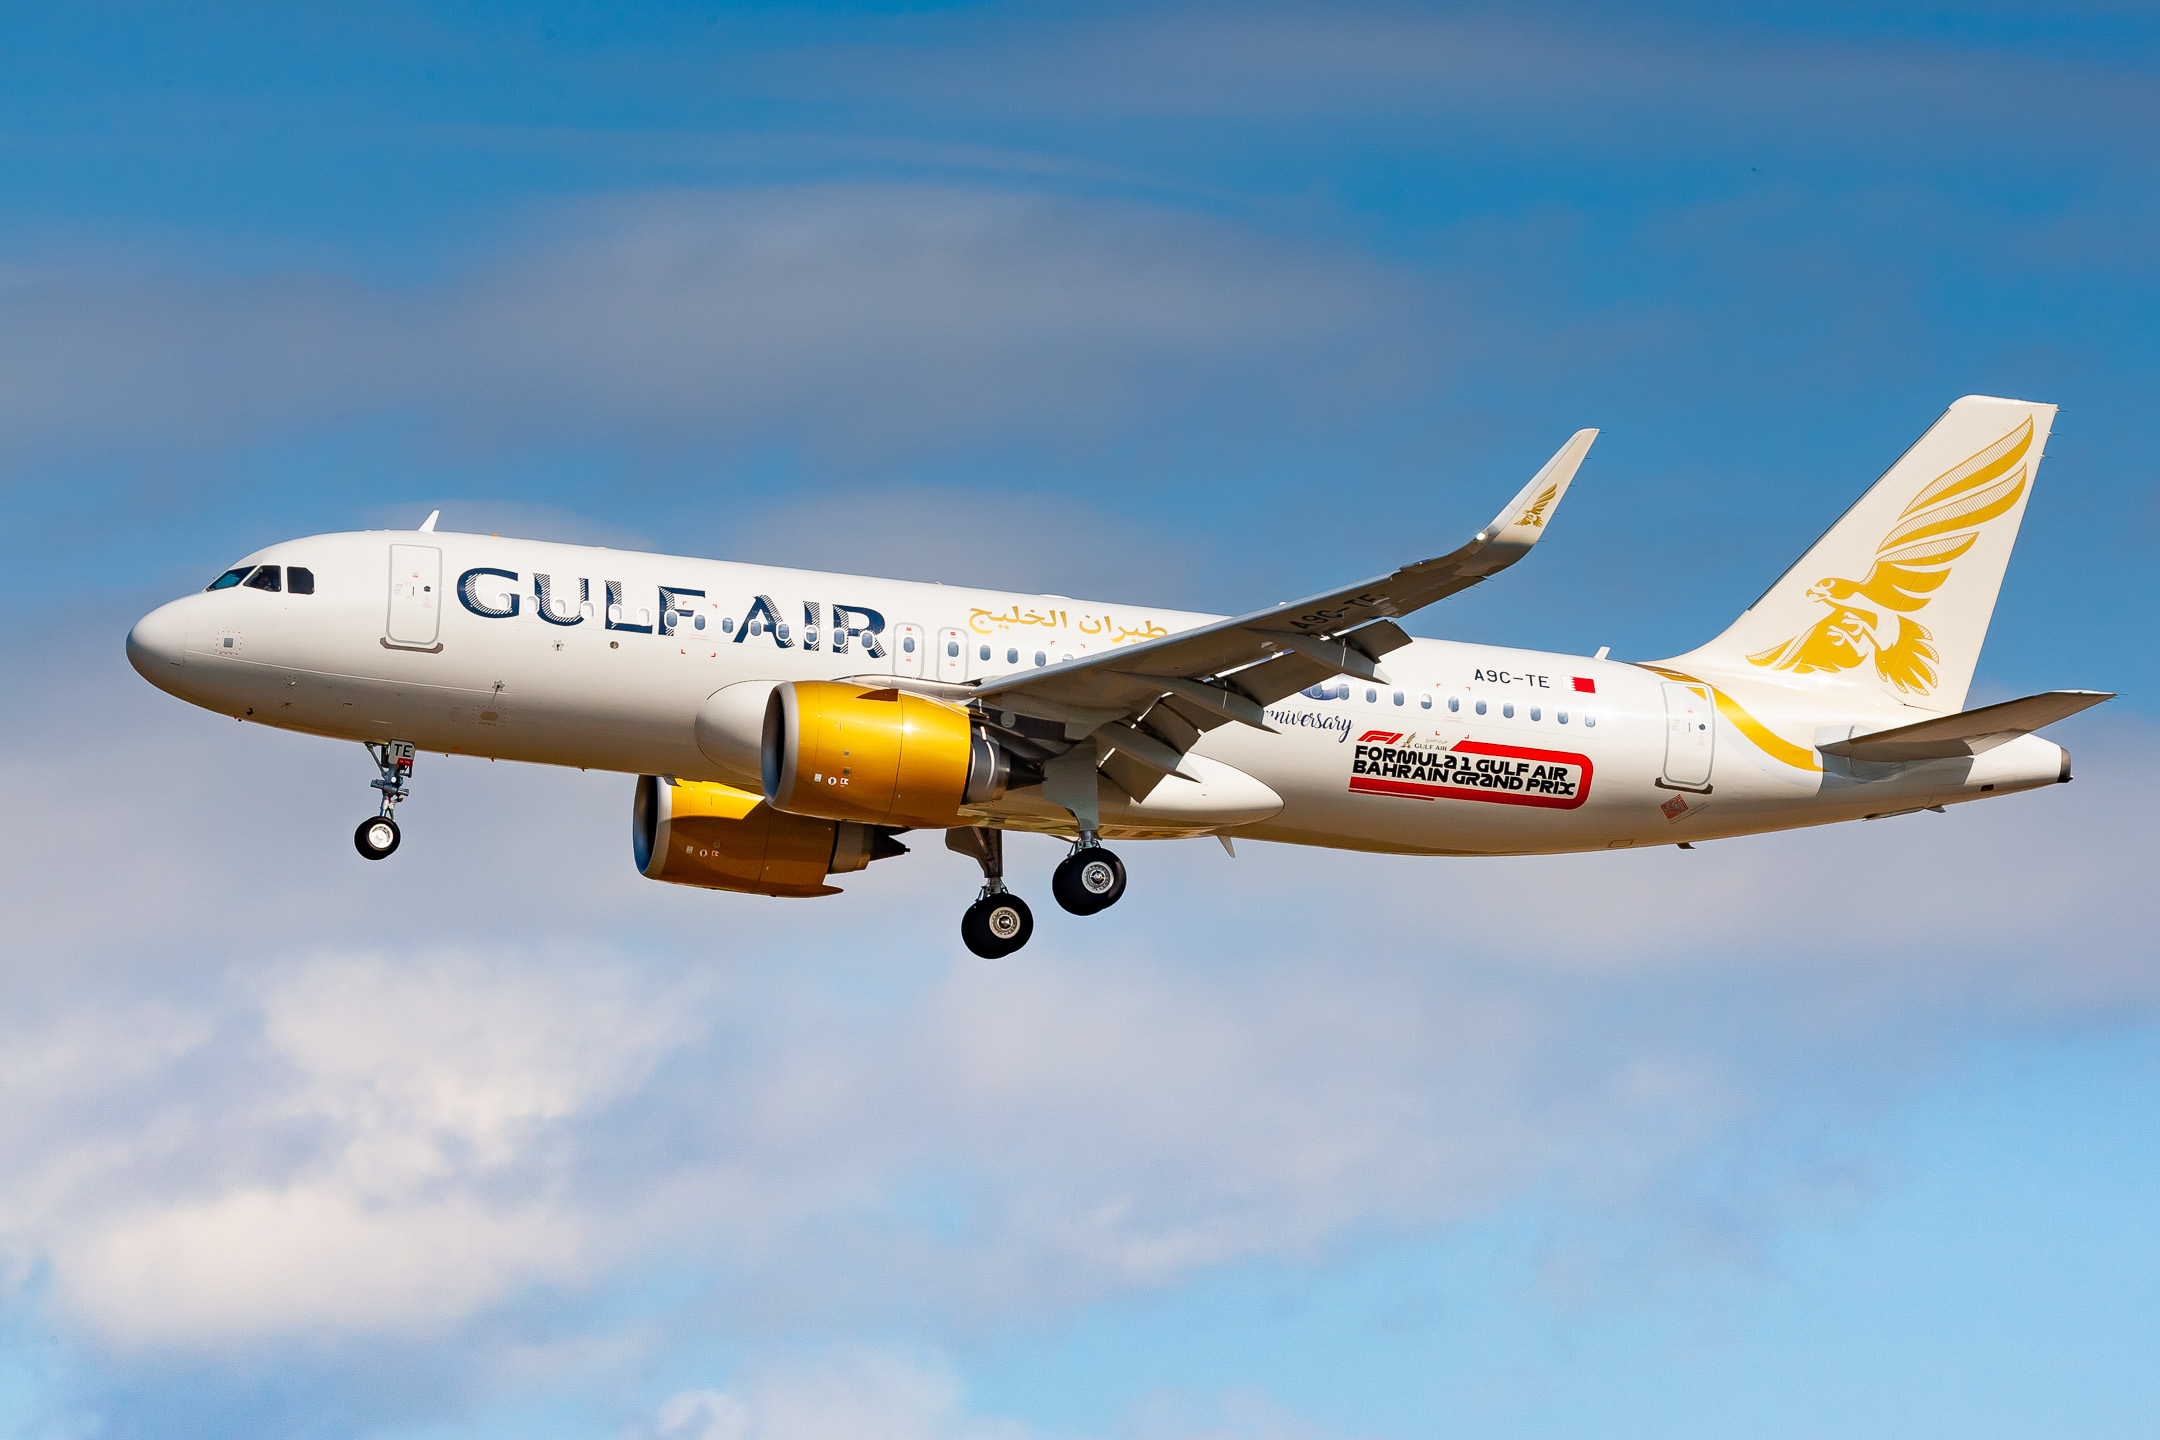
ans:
(787, 726)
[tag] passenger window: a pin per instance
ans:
(985, 652)
(264, 578)
(1398, 697)
(1536, 713)
(1507, 711)
(952, 649)
(907, 645)
(1563, 717)
(1454, 704)
(229, 579)
(1425, 701)
(1012, 655)
(727, 625)
(1589, 722)
(1372, 697)
(1481, 707)
(1041, 659)
(299, 580)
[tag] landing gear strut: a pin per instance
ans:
(998, 923)
(378, 835)
(1090, 879)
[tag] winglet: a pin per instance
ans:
(427, 526)
(1525, 518)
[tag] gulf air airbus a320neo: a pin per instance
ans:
(788, 726)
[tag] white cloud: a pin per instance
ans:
(244, 1124)
(303, 1261)
(389, 1166)
(432, 1062)
(864, 1393)
(848, 1394)
(838, 316)
(1501, 78)
(702, 1415)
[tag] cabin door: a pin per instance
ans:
(415, 596)
(1690, 736)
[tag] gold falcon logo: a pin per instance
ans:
(1535, 515)
(1871, 618)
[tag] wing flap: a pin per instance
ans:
(1285, 675)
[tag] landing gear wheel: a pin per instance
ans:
(996, 925)
(1088, 880)
(376, 837)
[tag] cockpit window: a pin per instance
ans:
(299, 580)
(264, 578)
(229, 579)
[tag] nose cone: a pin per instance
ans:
(157, 645)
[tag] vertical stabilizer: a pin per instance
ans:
(1892, 603)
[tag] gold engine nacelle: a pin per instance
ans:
(690, 832)
(876, 756)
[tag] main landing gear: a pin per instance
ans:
(999, 921)
(378, 835)
(1090, 879)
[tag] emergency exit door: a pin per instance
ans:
(1690, 736)
(907, 650)
(951, 655)
(415, 596)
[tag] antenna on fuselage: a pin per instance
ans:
(427, 526)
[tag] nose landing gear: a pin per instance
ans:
(378, 835)
(1089, 880)
(999, 921)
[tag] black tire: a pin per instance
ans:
(996, 925)
(1088, 881)
(369, 839)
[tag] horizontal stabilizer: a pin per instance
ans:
(1968, 733)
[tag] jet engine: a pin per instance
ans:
(877, 756)
(690, 832)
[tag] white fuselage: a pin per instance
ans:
(412, 636)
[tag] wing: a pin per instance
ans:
(1146, 704)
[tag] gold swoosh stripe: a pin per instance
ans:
(1771, 743)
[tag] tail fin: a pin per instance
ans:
(1893, 601)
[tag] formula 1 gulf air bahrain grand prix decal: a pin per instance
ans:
(1387, 762)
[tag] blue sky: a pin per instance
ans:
(1845, 1133)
